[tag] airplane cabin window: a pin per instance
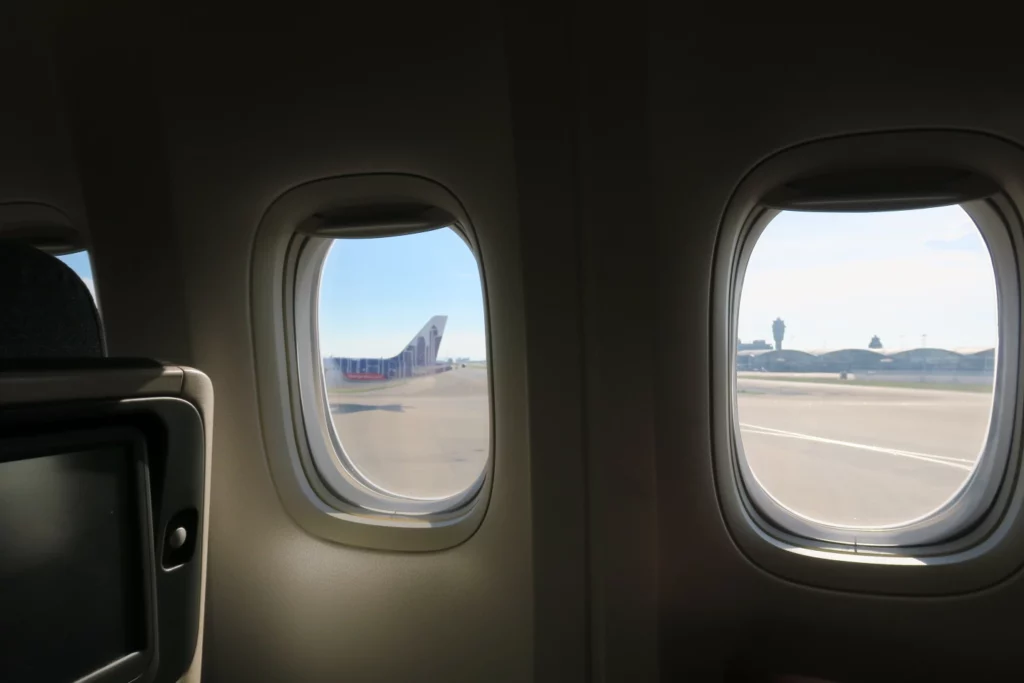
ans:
(865, 371)
(79, 262)
(404, 355)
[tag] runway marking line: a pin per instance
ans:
(957, 463)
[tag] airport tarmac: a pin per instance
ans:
(843, 454)
(860, 455)
(427, 437)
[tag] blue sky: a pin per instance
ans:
(79, 263)
(376, 294)
(836, 279)
(839, 278)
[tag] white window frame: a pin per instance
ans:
(336, 468)
(968, 504)
(983, 539)
(288, 257)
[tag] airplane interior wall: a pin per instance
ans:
(595, 152)
(719, 611)
(38, 158)
(197, 134)
(282, 603)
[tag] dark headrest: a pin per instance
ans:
(46, 311)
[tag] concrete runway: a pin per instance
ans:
(848, 455)
(858, 455)
(428, 437)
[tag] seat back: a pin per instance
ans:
(104, 489)
(46, 311)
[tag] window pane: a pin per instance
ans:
(866, 362)
(79, 262)
(402, 332)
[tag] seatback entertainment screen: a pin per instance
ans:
(72, 563)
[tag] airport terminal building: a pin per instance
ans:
(921, 361)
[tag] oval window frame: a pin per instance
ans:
(335, 467)
(284, 230)
(965, 507)
(993, 549)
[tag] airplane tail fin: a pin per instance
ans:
(424, 346)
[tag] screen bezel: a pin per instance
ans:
(131, 443)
